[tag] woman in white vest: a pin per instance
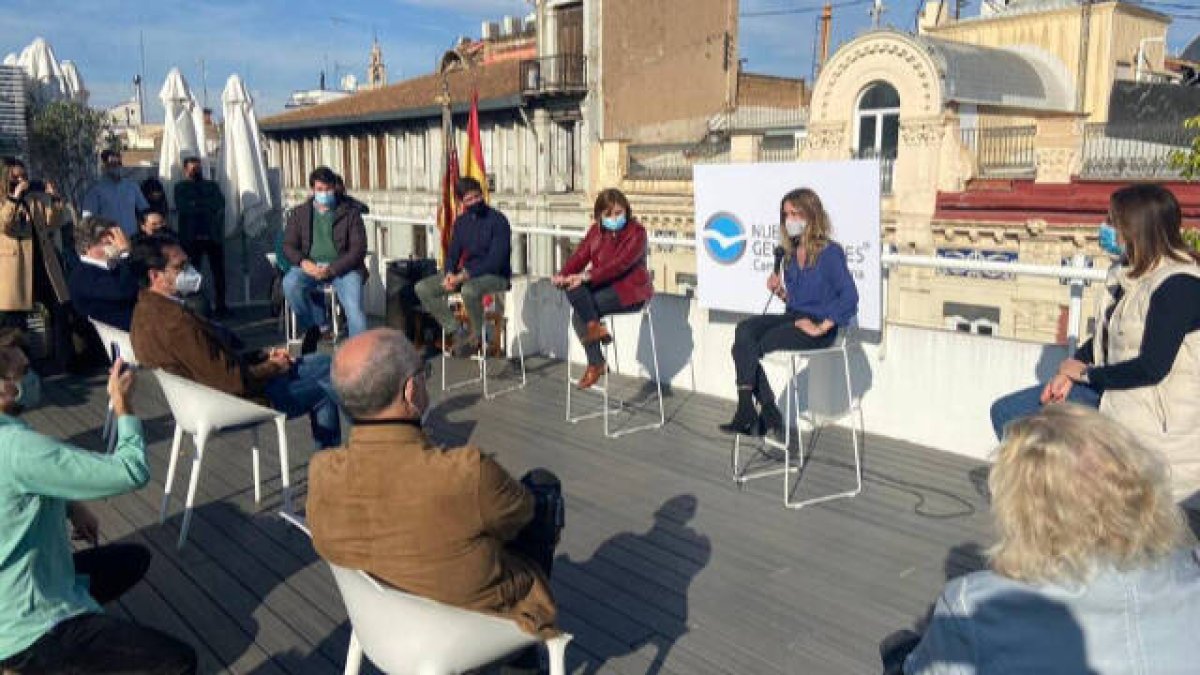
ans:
(1142, 366)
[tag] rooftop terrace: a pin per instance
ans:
(665, 565)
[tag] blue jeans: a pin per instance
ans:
(298, 288)
(1028, 401)
(306, 389)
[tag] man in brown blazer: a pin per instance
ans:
(450, 525)
(167, 334)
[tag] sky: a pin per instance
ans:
(278, 46)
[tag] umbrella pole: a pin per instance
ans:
(245, 268)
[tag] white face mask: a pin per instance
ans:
(795, 226)
(188, 281)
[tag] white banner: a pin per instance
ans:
(737, 226)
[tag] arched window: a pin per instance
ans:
(878, 121)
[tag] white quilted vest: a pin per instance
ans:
(1165, 416)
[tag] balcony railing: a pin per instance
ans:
(1002, 152)
(1145, 152)
(887, 167)
(559, 74)
(673, 161)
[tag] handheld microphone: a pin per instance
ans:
(778, 253)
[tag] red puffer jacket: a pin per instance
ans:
(617, 258)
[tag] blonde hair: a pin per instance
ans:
(1073, 490)
(816, 233)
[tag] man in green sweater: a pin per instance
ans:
(50, 616)
(201, 210)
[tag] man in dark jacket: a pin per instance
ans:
(326, 242)
(477, 264)
(102, 285)
(201, 209)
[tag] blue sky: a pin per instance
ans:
(281, 45)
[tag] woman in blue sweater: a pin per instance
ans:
(820, 296)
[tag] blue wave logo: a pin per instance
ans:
(724, 238)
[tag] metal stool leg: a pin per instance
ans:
(740, 475)
(851, 409)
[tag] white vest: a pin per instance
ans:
(1165, 416)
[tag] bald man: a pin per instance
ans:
(450, 525)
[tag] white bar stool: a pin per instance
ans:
(481, 356)
(816, 423)
(609, 352)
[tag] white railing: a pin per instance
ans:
(1077, 274)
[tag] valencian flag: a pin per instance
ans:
(448, 205)
(474, 166)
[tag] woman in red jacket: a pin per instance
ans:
(617, 281)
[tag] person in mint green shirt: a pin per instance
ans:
(50, 597)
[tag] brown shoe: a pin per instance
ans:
(596, 332)
(592, 376)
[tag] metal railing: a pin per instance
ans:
(780, 152)
(1075, 274)
(887, 167)
(749, 118)
(561, 74)
(1124, 153)
(673, 161)
(1002, 152)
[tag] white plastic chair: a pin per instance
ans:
(406, 634)
(205, 412)
(609, 351)
(815, 422)
(481, 356)
(109, 336)
(291, 329)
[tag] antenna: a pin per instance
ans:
(204, 79)
(876, 13)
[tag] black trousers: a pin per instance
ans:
(214, 250)
(537, 540)
(761, 335)
(590, 304)
(98, 643)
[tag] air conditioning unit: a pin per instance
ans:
(509, 27)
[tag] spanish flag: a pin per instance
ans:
(474, 166)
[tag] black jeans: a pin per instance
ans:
(214, 250)
(590, 304)
(538, 539)
(762, 335)
(98, 643)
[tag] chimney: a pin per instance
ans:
(935, 13)
(826, 30)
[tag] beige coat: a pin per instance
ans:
(43, 219)
(428, 521)
(1165, 416)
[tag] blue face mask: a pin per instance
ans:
(325, 198)
(613, 224)
(1108, 241)
(29, 391)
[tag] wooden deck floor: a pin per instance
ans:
(665, 565)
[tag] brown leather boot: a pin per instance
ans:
(592, 376)
(596, 332)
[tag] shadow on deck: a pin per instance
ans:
(665, 565)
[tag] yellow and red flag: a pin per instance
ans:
(474, 166)
(448, 205)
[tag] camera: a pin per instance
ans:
(36, 186)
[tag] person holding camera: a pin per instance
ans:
(30, 214)
(51, 595)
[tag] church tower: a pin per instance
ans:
(376, 70)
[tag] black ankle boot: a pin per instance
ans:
(745, 420)
(770, 421)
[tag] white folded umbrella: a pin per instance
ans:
(242, 170)
(180, 138)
